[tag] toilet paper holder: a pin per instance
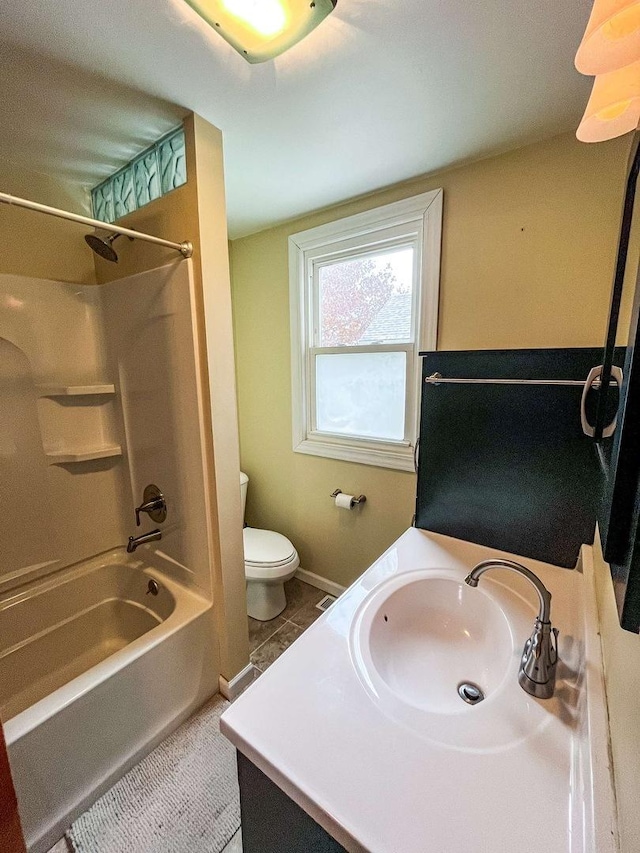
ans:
(354, 501)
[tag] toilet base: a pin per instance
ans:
(265, 601)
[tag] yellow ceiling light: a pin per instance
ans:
(614, 105)
(265, 17)
(612, 37)
(262, 29)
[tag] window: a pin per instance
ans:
(364, 302)
(158, 170)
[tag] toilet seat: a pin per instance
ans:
(268, 555)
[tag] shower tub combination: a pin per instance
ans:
(95, 670)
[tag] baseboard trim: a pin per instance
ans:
(320, 583)
(232, 689)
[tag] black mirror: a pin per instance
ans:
(619, 452)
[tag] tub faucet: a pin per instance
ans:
(537, 673)
(134, 541)
(153, 503)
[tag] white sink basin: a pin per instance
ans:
(422, 634)
(431, 634)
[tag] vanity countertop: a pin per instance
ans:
(509, 774)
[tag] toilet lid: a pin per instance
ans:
(266, 547)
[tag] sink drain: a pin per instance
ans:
(470, 692)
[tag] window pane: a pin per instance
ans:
(366, 300)
(124, 199)
(102, 201)
(361, 394)
(147, 178)
(173, 164)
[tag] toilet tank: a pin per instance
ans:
(244, 482)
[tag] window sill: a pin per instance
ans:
(381, 456)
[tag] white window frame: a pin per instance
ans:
(416, 220)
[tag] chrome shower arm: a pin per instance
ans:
(185, 248)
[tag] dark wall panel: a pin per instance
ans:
(508, 466)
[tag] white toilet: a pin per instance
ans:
(269, 560)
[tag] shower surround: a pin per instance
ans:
(100, 392)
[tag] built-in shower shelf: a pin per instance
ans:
(64, 457)
(76, 390)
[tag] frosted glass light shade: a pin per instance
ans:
(262, 29)
(614, 105)
(612, 37)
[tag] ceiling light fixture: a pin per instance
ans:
(262, 29)
(610, 50)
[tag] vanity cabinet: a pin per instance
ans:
(272, 822)
(343, 747)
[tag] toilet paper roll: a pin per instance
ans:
(344, 501)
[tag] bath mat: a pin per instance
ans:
(181, 798)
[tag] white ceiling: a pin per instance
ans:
(382, 91)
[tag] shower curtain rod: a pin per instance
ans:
(185, 248)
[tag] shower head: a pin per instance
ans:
(103, 246)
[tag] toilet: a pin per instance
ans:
(269, 560)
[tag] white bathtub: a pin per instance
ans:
(94, 672)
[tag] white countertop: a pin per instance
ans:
(378, 782)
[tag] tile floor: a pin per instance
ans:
(267, 641)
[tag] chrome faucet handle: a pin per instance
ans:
(153, 503)
(537, 673)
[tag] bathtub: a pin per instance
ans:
(94, 671)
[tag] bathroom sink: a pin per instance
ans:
(413, 765)
(421, 636)
(429, 634)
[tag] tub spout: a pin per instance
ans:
(134, 541)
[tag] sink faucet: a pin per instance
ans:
(134, 541)
(537, 673)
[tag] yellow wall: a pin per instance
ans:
(38, 245)
(621, 652)
(528, 250)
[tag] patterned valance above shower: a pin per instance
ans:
(155, 172)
